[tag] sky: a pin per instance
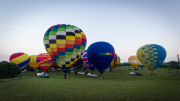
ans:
(125, 24)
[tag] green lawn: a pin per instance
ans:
(118, 85)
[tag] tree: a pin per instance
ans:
(28, 68)
(9, 70)
(174, 64)
(3, 70)
(169, 67)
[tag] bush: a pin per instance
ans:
(9, 70)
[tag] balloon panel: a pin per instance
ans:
(33, 63)
(133, 61)
(118, 61)
(21, 59)
(151, 55)
(86, 62)
(113, 62)
(78, 63)
(141, 65)
(65, 44)
(100, 54)
(44, 61)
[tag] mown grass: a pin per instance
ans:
(118, 85)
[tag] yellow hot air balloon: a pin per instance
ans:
(133, 61)
(151, 56)
(33, 63)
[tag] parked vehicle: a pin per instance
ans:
(92, 75)
(42, 75)
(81, 73)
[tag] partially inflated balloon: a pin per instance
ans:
(118, 61)
(86, 62)
(100, 54)
(78, 64)
(151, 56)
(21, 59)
(141, 65)
(65, 44)
(44, 61)
(133, 61)
(33, 63)
(113, 62)
(56, 66)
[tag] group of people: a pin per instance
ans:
(152, 74)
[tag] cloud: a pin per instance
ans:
(22, 28)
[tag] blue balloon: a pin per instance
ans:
(86, 62)
(151, 56)
(141, 65)
(100, 54)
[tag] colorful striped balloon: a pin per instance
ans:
(21, 59)
(33, 63)
(118, 61)
(113, 62)
(44, 61)
(65, 44)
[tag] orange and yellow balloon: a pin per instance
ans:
(133, 61)
(33, 63)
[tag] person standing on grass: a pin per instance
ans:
(102, 76)
(65, 76)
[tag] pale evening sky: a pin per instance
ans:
(126, 24)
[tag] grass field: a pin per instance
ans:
(118, 85)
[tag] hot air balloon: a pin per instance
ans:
(86, 62)
(21, 59)
(78, 64)
(44, 61)
(65, 44)
(151, 56)
(141, 65)
(118, 61)
(100, 54)
(133, 61)
(113, 62)
(33, 63)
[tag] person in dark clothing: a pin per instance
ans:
(65, 76)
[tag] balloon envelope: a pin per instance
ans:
(118, 61)
(133, 61)
(86, 62)
(21, 59)
(33, 63)
(44, 61)
(79, 63)
(141, 65)
(100, 54)
(113, 62)
(65, 44)
(151, 56)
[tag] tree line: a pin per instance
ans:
(171, 64)
(9, 70)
